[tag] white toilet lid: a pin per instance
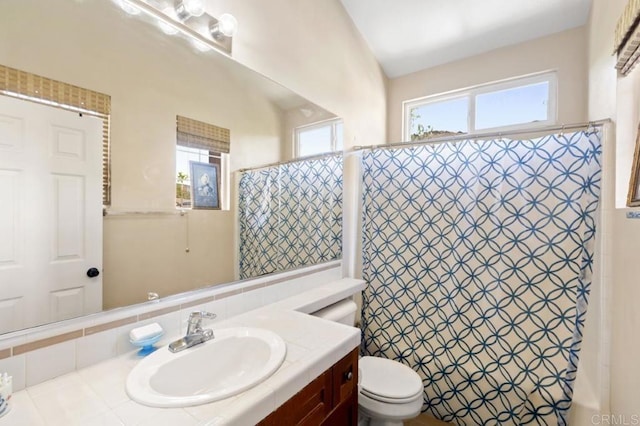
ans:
(387, 379)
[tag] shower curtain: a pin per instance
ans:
(478, 257)
(290, 215)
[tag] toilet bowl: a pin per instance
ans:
(388, 392)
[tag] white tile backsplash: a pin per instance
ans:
(15, 367)
(96, 348)
(52, 361)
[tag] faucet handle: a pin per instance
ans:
(199, 315)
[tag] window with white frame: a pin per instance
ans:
(184, 156)
(319, 138)
(508, 105)
(202, 165)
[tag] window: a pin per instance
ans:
(517, 103)
(201, 142)
(184, 155)
(319, 138)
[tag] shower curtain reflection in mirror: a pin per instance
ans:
(290, 215)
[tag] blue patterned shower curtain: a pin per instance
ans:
(290, 216)
(478, 256)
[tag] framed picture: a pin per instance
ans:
(205, 185)
(633, 199)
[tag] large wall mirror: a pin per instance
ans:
(147, 244)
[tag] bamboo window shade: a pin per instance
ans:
(627, 38)
(197, 134)
(22, 84)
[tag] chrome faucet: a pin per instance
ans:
(195, 334)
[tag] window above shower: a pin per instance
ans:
(319, 138)
(522, 102)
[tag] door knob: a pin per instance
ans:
(93, 272)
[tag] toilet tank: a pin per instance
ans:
(343, 312)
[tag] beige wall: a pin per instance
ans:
(564, 52)
(619, 98)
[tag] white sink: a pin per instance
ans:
(235, 360)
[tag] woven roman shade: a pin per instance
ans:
(627, 38)
(197, 134)
(32, 87)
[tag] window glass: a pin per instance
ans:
(518, 105)
(515, 103)
(314, 141)
(320, 138)
(339, 137)
(439, 118)
(183, 179)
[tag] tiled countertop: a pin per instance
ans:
(96, 395)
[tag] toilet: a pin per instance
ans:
(388, 392)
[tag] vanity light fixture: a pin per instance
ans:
(226, 26)
(187, 18)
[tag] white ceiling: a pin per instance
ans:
(411, 35)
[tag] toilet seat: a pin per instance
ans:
(388, 400)
(389, 381)
(388, 414)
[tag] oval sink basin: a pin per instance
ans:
(233, 361)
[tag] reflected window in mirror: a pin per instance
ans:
(203, 147)
(184, 156)
(319, 138)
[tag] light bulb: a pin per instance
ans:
(185, 9)
(201, 46)
(226, 26)
(129, 8)
(165, 26)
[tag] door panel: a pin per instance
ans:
(51, 177)
(68, 218)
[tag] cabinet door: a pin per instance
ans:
(345, 378)
(308, 407)
(331, 399)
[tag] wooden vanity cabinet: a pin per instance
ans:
(330, 400)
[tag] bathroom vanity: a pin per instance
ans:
(330, 399)
(316, 383)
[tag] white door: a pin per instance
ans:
(50, 214)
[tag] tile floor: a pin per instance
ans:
(425, 420)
